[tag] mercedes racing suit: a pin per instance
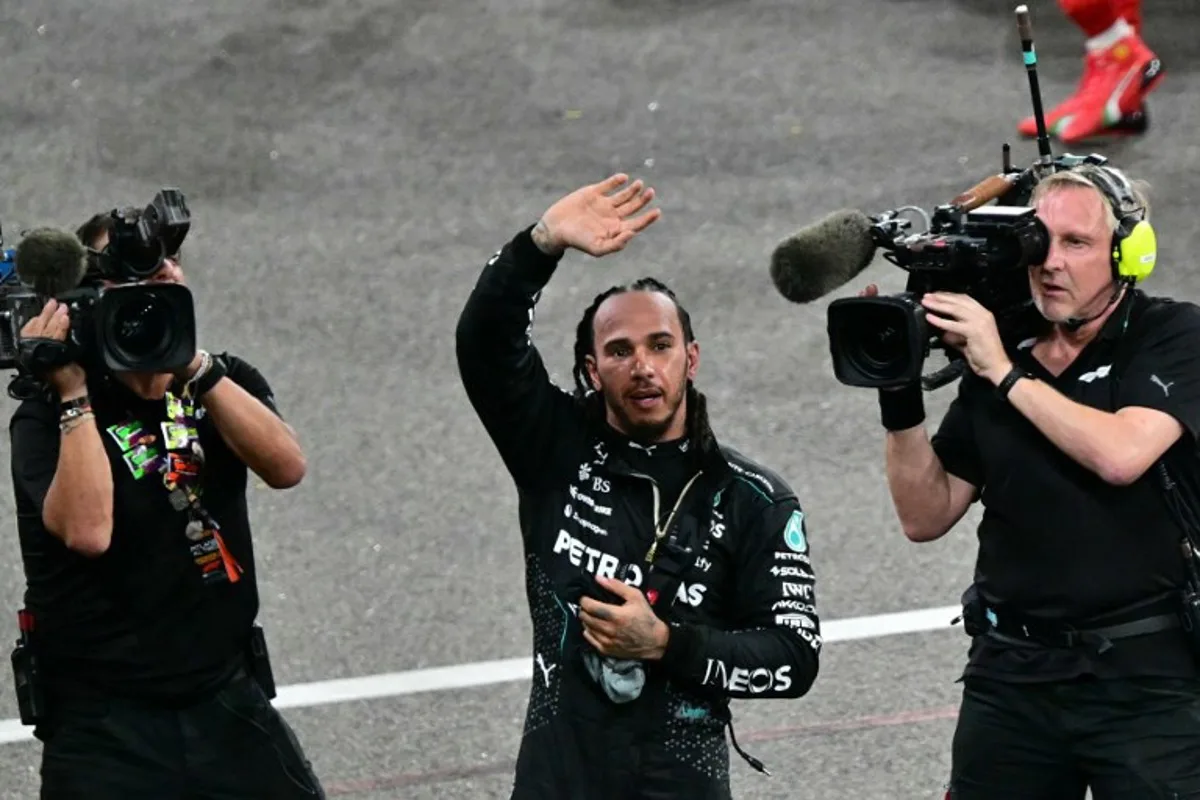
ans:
(742, 616)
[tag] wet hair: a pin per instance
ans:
(699, 430)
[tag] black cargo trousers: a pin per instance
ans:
(1127, 739)
(233, 745)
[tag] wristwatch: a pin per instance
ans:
(1005, 386)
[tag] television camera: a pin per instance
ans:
(968, 247)
(120, 320)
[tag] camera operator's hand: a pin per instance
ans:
(594, 221)
(54, 322)
(971, 329)
(628, 630)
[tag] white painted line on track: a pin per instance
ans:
(486, 673)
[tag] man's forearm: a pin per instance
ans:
(773, 662)
(78, 508)
(544, 241)
(523, 412)
(256, 435)
(918, 483)
(1098, 440)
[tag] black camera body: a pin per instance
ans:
(140, 241)
(120, 321)
(968, 247)
(883, 341)
(984, 252)
(133, 327)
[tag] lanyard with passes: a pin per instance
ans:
(180, 468)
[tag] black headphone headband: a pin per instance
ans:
(1118, 192)
(1134, 249)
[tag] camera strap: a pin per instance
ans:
(181, 468)
(1180, 500)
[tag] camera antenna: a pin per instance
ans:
(1025, 31)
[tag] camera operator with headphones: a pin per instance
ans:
(139, 660)
(1083, 665)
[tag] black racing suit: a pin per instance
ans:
(743, 617)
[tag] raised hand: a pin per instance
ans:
(598, 219)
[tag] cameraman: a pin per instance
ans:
(1080, 673)
(131, 504)
(665, 573)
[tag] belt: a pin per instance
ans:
(1022, 628)
(73, 696)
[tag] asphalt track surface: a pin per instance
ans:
(351, 167)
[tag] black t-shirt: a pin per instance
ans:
(1056, 542)
(141, 619)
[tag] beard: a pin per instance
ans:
(638, 425)
(1058, 312)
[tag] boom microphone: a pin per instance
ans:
(823, 256)
(51, 261)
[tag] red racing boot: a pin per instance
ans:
(1119, 72)
(1123, 74)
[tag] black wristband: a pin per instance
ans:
(209, 379)
(903, 408)
(1005, 386)
(70, 405)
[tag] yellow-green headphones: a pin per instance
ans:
(1134, 244)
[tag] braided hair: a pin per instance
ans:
(699, 430)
